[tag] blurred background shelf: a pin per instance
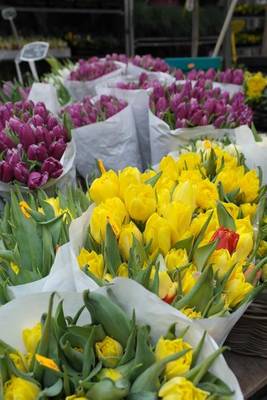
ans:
(6, 55)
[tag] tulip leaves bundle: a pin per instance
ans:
(110, 359)
(32, 230)
(185, 233)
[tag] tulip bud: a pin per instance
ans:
(219, 121)
(37, 179)
(13, 157)
(5, 142)
(51, 122)
(26, 135)
(6, 172)
(228, 239)
(37, 152)
(52, 167)
(37, 120)
(56, 149)
(21, 172)
(196, 119)
(179, 75)
(15, 125)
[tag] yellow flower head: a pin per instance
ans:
(104, 187)
(166, 347)
(179, 388)
(18, 388)
(148, 174)
(249, 186)
(158, 233)
(24, 209)
(123, 270)
(190, 313)
(167, 288)
(188, 161)
(230, 178)
(128, 176)
(176, 258)
(109, 351)
(169, 167)
(185, 193)
(262, 250)
(140, 201)
(207, 194)
(243, 248)
(93, 261)
(221, 261)
(109, 373)
(192, 175)
(248, 209)
(179, 216)
(255, 83)
(31, 337)
(128, 231)
(236, 288)
(18, 360)
(111, 210)
(189, 279)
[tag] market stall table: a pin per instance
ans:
(251, 373)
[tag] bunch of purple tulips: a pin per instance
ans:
(32, 142)
(88, 70)
(88, 112)
(230, 75)
(185, 106)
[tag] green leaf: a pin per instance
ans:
(68, 125)
(152, 181)
(202, 232)
(51, 391)
(225, 218)
(185, 244)
(202, 254)
(111, 251)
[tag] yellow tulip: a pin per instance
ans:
(230, 178)
(158, 233)
(179, 388)
(109, 351)
(221, 261)
(255, 84)
(126, 238)
(109, 373)
(93, 261)
(249, 187)
(169, 167)
(232, 208)
(123, 270)
(179, 217)
(111, 210)
(189, 279)
(244, 247)
(198, 222)
(166, 347)
(176, 258)
(24, 207)
(140, 201)
(167, 288)
(31, 337)
(192, 175)
(243, 225)
(207, 194)
(185, 193)
(262, 250)
(190, 313)
(148, 174)
(18, 360)
(163, 199)
(105, 187)
(236, 287)
(249, 209)
(188, 161)
(18, 388)
(128, 176)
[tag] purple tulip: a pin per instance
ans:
(15, 124)
(161, 105)
(179, 75)
(210, 74)
(21, 172)
(51, 122)
(218, 123)
(37, 152)
(196, 118)
(26, 135)
(37, 120)
(6, 172)
(37, 179)
(53, 167)
(5, 142)
(13, 157)
(57, 149)
(40, 109)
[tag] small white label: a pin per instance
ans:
(34, 51)
(9, 13)
(189, 5)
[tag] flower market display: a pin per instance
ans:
(163, 228)
(32, 142)
(31, 231)
(185, 233)
(112, 357)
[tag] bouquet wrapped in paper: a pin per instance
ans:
(35, 145)
(103, 128)
(33, 233)
(185, 232)
(95, 349)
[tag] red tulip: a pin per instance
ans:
(228, 239)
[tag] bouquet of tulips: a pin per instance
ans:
(113, 357)
(230, 75)
(185, 233)
(182, 112)
(32, 231)
(146, 62)
(32, 144)
(103, 128)
(13, 91)
(86, 74)
(88, 112)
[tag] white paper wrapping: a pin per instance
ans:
(218, 327)
(26, 312)
(139, 101)
(59, 278)
(79, 89)
(114, 141)
(46, 93)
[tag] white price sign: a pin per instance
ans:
(34, 51)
